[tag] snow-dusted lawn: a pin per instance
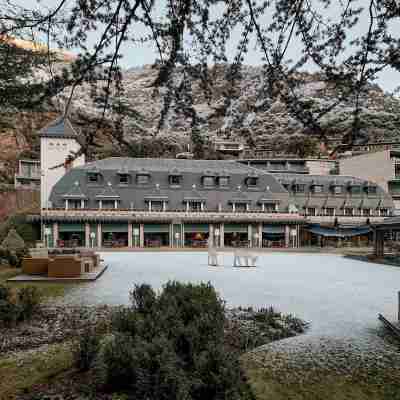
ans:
(337, 295)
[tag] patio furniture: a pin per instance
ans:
(35, 266)
(65, 266)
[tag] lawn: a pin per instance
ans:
(329, 387)
(20, 373)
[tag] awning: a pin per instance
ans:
(339, 232)
(114, 227)
(156, 228)
(230, 228)
(71, 228)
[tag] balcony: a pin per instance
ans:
(167, 216)
(228, 147)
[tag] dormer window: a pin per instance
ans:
(93, 177)
(175, 177)
(208, 181)
(317, 188)
(142, 177)
(223, 181)
(299, 188)
(251, 181)
(337, 189)
(175, 180)
(355, 189)
(123, 179)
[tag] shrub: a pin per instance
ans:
(5, 293)
(114, 364)
(29, 299)
(87, 349)
(9, 313)
(167, 346)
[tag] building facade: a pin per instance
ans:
(302, 166)
(28, 175)
(58, 146)
(128, 202)
(380, 167)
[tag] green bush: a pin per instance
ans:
(88, 345)
(29, 299)
(5, 293)
(168, 345)
(19, 307)
(9, 313)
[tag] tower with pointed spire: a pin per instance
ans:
(59, 147)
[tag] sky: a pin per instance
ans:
(139, 55)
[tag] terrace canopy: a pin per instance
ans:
(340, 232)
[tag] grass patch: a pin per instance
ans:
(330, 387)
(7, 273)
(38, 366)
(47, 289)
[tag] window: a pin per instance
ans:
(123, 179)
(366, 212)
(156, 205)
(175, 180)
(142, 179)
(384, 212)
(372, 190)
(269, 207)
(93, 178)
(317, 188)
(355, 190)
(337, 189)
(286, 186)
(75, 204)
(299, 188)
(251, 181)
(240, 207)
(311, 212)
(223, 181)
(330, 211)
(208, 181)
(348, 211)
(107, 204)
(195, 206)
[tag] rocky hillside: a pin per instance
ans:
(249, 117)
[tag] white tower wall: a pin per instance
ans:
(53, 152)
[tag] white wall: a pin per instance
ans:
(376, 167)
(320, 167)
(53, 152)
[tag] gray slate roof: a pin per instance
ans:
(59, 128)
(136, 194)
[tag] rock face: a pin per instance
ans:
(13, 241)
(247, 114)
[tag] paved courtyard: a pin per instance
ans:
(339, 296)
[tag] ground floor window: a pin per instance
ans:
(196, 239)
(156, 239)
(329, 211)
(273, 239)
(71, 239)
(236, 239)
(115, 239)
